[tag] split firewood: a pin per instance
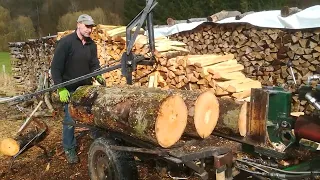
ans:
(286, 11)
(223, 15)
(238, 17)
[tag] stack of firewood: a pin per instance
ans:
(111, 44)
(175, 68)
(221, 73)
(265, 53)
(30, 60)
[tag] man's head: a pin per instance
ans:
(85, 24)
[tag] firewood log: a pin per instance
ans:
(11, 146)
(286, 11)
(232, 118)
(222, 15)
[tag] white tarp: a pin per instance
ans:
(307, 18)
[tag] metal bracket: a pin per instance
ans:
(200, 171)
(128, 60)
(224, 163)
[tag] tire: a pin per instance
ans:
(107, 164)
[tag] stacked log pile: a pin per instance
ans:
(264, 53)
(175, 67)
(30, 62)
(221, 73)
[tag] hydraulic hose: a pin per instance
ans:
(279, 170)
(278, 175)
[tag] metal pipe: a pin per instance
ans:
(313, 77)
(312, 100)
(151, 31)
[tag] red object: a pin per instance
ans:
(308, 127)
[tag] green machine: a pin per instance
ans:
(279, 121)
(283, 146)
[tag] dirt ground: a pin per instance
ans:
(33, 164)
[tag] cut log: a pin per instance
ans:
(148, 114)
(11, 146)
(203, 112)
(232, 118)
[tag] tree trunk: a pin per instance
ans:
(151, 115)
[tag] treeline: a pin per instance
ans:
(185, 9)
(23, 19)
(14, 29)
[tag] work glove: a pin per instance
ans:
(64, 95)
(101, 80)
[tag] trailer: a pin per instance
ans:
(111, 156)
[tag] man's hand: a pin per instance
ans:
(101, 80)
(64, 95)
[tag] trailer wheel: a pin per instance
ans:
(107, 164)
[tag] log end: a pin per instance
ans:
(9, 147)
(242, 122)
(206, 113)
(171, 121)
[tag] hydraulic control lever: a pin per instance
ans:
(289, 64)
(307, 92)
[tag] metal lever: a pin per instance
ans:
(291, 70)
(313, 101)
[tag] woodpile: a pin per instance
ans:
(264, 53)
(30, 62)
(175, 67)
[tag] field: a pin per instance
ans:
(5, 60)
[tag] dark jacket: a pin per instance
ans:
(73, 59)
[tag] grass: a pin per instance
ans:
(5, 60)
(6, 82)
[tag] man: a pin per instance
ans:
(75, 55)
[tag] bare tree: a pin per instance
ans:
(74, 6)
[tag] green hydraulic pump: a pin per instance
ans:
(279, 121)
